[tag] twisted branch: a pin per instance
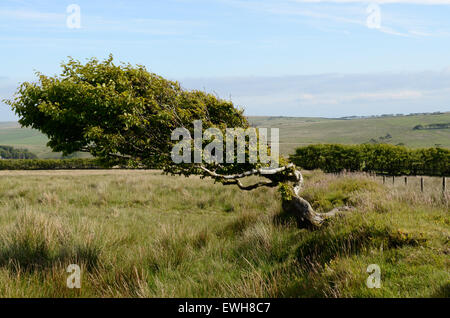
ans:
(265, 172)
(251, 187)
(260, 171)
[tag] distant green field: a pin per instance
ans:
(298, 131)
(294, 132)
(11, 134)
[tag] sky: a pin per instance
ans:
(271, 57)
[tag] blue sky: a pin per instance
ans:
(272, 57)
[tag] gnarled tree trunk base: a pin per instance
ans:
(305, 215)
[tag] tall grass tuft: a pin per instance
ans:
(36, 243)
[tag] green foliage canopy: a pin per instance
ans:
(119, 113)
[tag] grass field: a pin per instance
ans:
(294, 132)
(142, 234)
(11, 134)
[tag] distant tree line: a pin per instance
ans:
(50, 164)
(391, 115)
(432, 126)
(59, 164)
(8, 152)
(379, 158)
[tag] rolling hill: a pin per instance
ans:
(298, 131)
(11, 134)
(295, 132)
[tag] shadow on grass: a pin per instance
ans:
(442, 292)
(238, 226)
(323, 246)
(30, 258)
(286, 218)
(316, 250)
(34, 244)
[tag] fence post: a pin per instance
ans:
(406, 181)
(421, 184)
(384, 179)
(444, 185)
(393, 179)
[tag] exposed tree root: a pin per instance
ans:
(305, 215)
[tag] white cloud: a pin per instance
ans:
(333, 95)
(363, 97)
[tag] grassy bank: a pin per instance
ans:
(141, 234)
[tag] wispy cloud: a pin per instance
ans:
(24, 14)
(143, 25)
(30, 19)
(351, 13)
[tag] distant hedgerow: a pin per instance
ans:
(380, 158)
(8, 152)
(50, 164)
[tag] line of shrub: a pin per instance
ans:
(50, 164)
(380, 158)
(8, 152)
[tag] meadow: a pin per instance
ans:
(137, 233)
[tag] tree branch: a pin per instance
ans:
(298, 182)
(251, 187)
(260, 171)
(234, 178)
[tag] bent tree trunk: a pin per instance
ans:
(304, 214)
(302, 210)
(293, 204)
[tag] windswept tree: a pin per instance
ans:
(124, 114)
